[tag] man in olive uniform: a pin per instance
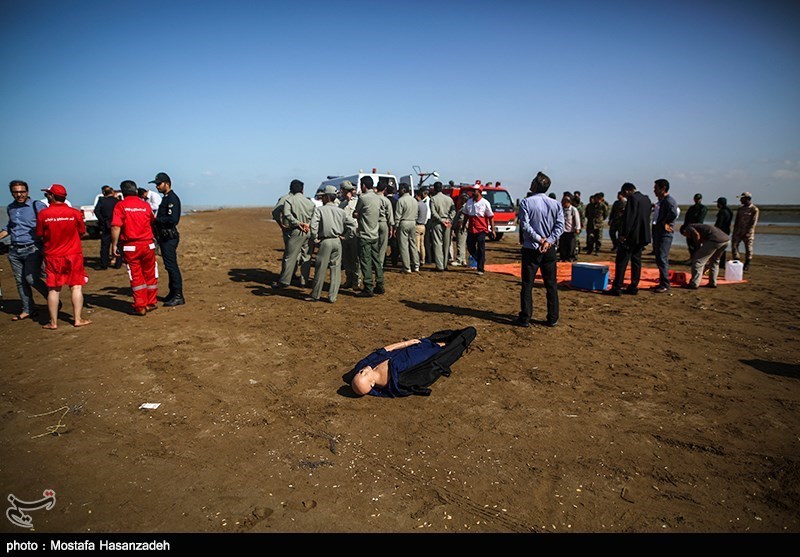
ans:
(405, 219)
(590, 232)
(297, 213)
(385, 222)
(368, 210)
(166, 225)
(329, 225)
(615, 219)
(443, 211)
(352, 269)
(460, 235)
(744, 228)
(277, 216)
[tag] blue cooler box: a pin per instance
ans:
(589, 276)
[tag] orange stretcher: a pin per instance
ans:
(648, 278)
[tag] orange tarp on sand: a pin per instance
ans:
(649, 274)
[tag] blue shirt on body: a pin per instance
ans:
(399, 361)
(540, 218)
(22, 221)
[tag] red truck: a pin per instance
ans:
(505, 212)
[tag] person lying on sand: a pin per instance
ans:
(409, 367)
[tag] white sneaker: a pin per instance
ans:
(455, 264)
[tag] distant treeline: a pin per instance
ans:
(733, 203)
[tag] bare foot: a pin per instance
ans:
(82, 323)
(50, 327)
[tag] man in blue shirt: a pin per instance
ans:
(542, 222)
(25, 252)
(663, 230)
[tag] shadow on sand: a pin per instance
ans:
(775, 368)
(503, 319)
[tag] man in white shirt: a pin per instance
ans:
(479, 223)
(572, 229)
(152, 198)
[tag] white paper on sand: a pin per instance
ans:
(149, 405)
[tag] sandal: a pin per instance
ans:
(22, 317)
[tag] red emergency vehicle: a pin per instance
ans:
(505, 213)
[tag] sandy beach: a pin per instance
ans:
(673, 413)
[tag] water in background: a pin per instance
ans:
(786, 245)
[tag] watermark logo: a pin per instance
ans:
(16, 512)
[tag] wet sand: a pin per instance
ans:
(651, 413)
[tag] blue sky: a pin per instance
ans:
(235, 99)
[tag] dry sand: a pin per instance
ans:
(675, 413)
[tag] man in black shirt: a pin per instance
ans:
(696, 214)
(723, 222)
(167, 218)
(104, 210)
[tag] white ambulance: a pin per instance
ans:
(355, 179)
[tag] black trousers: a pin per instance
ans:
(476, 246)
(105, 250)
(566, 246)
(627, 254)
(169, 252)
(533, 260)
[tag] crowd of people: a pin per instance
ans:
(46, 254)
(361, 234)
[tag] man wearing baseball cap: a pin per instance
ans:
(167, 218)
(744, 228)
(60, 227)
(329, 225)
(479, 223)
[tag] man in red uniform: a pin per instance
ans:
(132, 227)
(60, 228)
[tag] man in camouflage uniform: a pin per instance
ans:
(615, 218)
(460, 235)
(601, 213)
(744, 228)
